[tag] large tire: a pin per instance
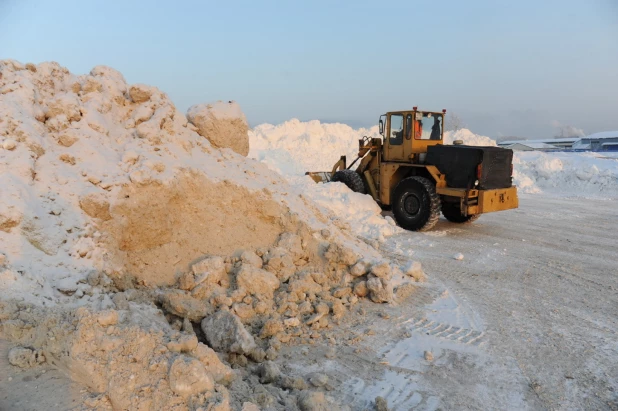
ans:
(351, 179)
(416, 205)
(453, 214)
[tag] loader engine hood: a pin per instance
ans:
(464, 166)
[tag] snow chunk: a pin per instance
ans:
(25, 357)
(257, 281)
(140, 93)
(189, 377)
(225, 333)
(223, 124)
(9, 144)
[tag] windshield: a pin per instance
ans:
(428, 126)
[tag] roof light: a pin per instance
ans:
(414, 108)
(444, 110)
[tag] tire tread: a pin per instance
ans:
(351, 179)
(453, 214)
(434, 202)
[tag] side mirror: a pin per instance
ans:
(381, 126)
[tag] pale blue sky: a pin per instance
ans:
(506, 67)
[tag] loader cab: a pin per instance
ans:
(408, 133)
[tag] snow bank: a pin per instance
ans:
(566, 174)
(294, 147)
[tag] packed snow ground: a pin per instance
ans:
(539, 286)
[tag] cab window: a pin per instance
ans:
(396, 129)
(428, 126)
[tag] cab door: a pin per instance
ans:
(408, 133)
(395, 138)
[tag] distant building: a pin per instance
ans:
(604, 141)
(531, 146)
(557, 143)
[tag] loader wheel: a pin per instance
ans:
(351, 179)
(416, 205)
(453, 214)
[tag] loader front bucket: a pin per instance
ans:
(320, 176)
(326, 176)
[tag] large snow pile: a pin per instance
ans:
(295, 147)
(123, 230)
(93, 177)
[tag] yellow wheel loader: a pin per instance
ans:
(411, 171)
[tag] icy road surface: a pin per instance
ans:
(527, 320)
(543, 282)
